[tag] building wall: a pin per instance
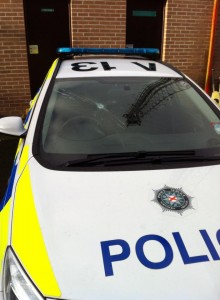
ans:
(216, 64)
(187, 36)
(14, 78)
(97, 23)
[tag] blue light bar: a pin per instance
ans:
(113, 51)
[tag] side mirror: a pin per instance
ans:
(12, 126)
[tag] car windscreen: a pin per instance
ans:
(96, 116)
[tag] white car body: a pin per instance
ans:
(94, 235)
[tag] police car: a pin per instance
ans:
(114, 192)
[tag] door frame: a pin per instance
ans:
(28, 42)
(162, 27)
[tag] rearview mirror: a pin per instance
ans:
(12, 126)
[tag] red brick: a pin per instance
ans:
(188, 31)
(98, 23)
(14, 78)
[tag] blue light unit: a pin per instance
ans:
(109, 51)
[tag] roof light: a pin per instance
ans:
(126, 51)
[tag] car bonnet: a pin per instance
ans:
(116, 235)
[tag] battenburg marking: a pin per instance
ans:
(172, 199)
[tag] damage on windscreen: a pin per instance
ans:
(99, 116)
(152, 97)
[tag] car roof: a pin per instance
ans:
(81, 67)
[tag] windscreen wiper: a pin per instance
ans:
(110, 159)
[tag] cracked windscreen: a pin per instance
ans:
(123, 115)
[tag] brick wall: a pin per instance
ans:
(188, 25)
(187, 30)
(97, 23)
(14, 80)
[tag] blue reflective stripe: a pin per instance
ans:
(140, 51)
(27, 116)
(8, 192)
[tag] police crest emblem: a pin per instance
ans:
(173, 199)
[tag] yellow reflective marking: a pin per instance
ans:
(4, 230)
(23, 159)
(216, 97)
(33, 101)
(19, 146)
(49, 76)
(27, 239)
(50, 73)
(20, 143)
